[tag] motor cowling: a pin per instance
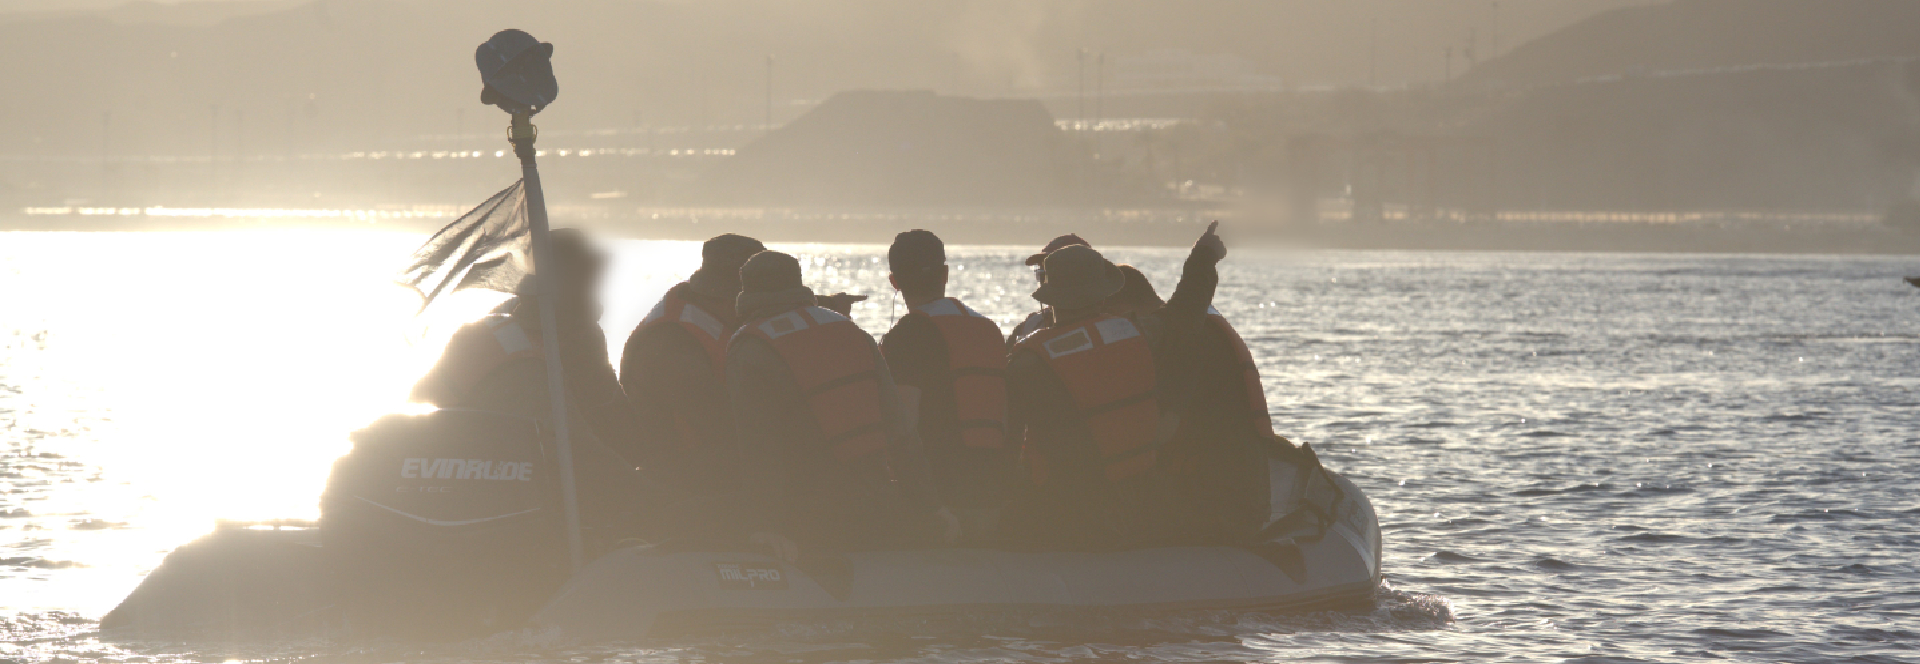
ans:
(444, 525)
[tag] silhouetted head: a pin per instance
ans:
(577, 266)
(918, 262)
(722, 256)
(768, 272)
(1078, 279)
(1036, 261)
(1057, 244)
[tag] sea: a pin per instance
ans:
(1576, 457)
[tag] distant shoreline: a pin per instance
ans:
(1122, 228)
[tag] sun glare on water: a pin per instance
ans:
(176, 380)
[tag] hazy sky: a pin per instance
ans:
(272, 73)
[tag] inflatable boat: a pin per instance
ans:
(1329, 557)
(1319, 548)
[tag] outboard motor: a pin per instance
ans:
(444, 525)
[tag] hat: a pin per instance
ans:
(770, 271)
(1057, 244)
(916, 251)
(729, 251)
(1078, 277)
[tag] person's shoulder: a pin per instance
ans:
(745, 346)
(1034, 322)
(1154, 325)
(645, 334)
(912, 325)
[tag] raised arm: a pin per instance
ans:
(1199, 276)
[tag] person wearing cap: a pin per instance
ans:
(498, 364)
(1038, 319)
(1094, 396)
(673, 368)
(948, 362)
(1215, 462)
(827, 460)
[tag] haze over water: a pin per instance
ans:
(1588, 457)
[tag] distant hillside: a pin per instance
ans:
(905, 148)
(1832, 138)
(1689, 35)
(328, 75)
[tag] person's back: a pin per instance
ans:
(490, 384)
(1216, 460)
(1094, 397)
(673, 370)
(498, 364)
(949, 364)
(468, 373)
(1218, 456)
(825, 457)
(1084, 394)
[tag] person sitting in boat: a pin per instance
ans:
(1039, 319)
(673, 369)
(948, 362)
(1095, 395)
(826, 459)
(497, 364)
(1215, 460)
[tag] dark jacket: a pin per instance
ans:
(669, 379)
(787, 482)
(1077, 508)
(1223, 440)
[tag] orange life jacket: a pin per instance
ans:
(705, 328)
(475, 351)
(834, 363)
(979, 362)
(1256, 394)
(1107, 369)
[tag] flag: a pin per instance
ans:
(488, 247)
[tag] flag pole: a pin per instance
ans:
(521, 133)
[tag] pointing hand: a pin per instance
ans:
(1210, 245)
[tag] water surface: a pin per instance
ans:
(1587, 457)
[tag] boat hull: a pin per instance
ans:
(640, 592)
(1321, 548)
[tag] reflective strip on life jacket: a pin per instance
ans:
(701, 325)
(1250, 371)
(833, 361)
(1107, 368)
(979, 362)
